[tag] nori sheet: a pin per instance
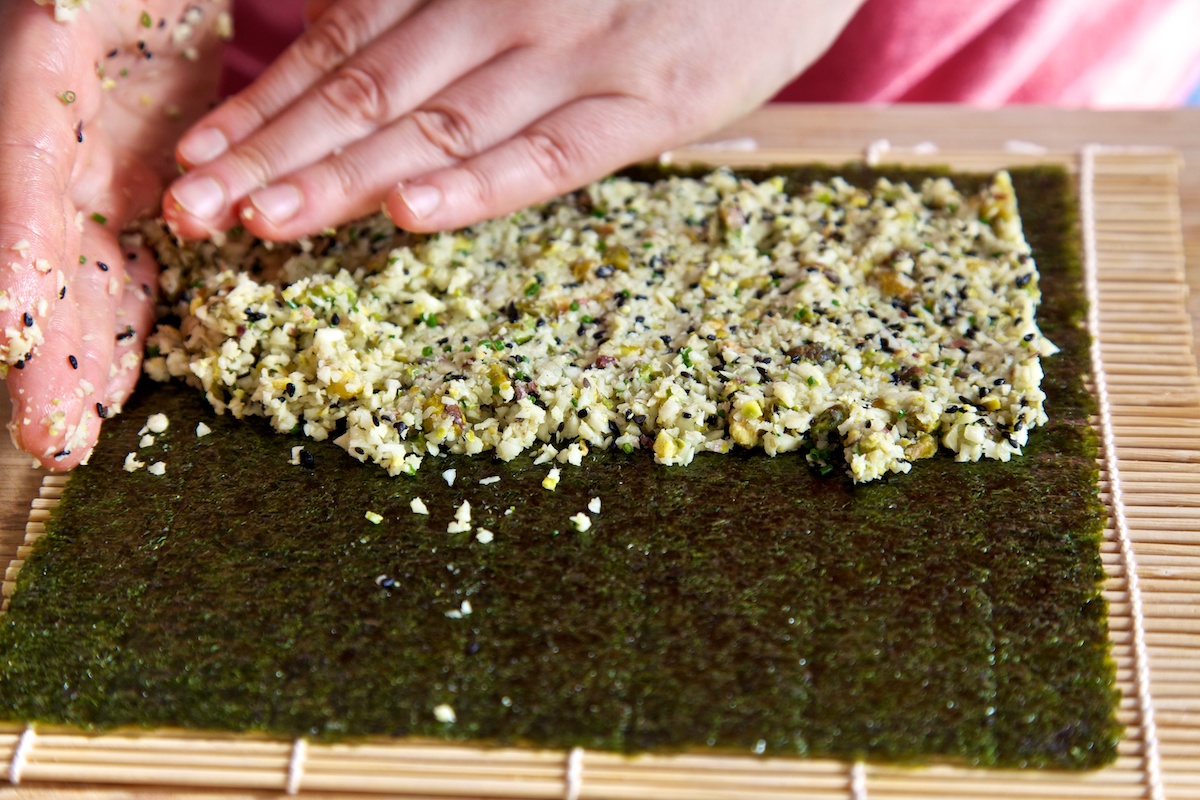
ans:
(740, 604)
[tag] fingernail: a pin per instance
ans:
(202, 197)
(278, 203)
(202, 146)
(421, 200)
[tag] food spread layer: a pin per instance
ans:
(860, 326)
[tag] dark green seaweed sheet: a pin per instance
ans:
(741, 604)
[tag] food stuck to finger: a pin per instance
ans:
(863, 328)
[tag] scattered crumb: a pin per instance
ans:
(224, 26)
(581, 522)
(508, 512)
(484, 536)
(295, 453)
(547, 453)
(462, 519)
(157, 468)
(445, 713)
(594, 505)
(463, 610)
(132, 464)
(418, 506)
(203, 430)
(157, 423)
(146, 441)
(489, 480)
(551, 480)
(449, 475)
(374, 518)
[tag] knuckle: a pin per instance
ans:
(552, 156)
(333, 40)
(449, 131)
(254, 164)
(348, 178)
(356, 93)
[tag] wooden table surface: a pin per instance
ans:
(824, 127)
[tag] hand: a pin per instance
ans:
(91, 110)
(452, 111)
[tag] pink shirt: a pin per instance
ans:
(1085, 53)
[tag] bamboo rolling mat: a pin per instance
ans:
(1150, 425)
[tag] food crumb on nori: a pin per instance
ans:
(738, 601)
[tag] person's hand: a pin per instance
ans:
(89, 114)
(452, 111)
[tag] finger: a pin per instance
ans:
(38, 145)
(559, 153)
(134, 321)
(392, 75)
(58, 397)
(344, 28)
(313, 9)
(468, 118)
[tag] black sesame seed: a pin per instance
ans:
(335, 319)
(254, 316)
(114, 52)
(79, 132)
(73, 361)
(998, 382)
(19, 365)
(62, 293)
(290, 389)
(1023, 280)
(101, 411)
(103, 267)
(582, 413)
(307, 460)
(360, 451)
(605, 271)
(639, 419)
(28, 319)
(1029, 337)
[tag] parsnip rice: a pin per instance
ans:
(863, 327)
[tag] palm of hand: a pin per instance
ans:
(92, 109)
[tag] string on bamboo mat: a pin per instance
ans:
(574, 775)
(296, 765)
(20, 755)
(1151, 760)
(858, 781)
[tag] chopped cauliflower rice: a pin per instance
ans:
(862, 328)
